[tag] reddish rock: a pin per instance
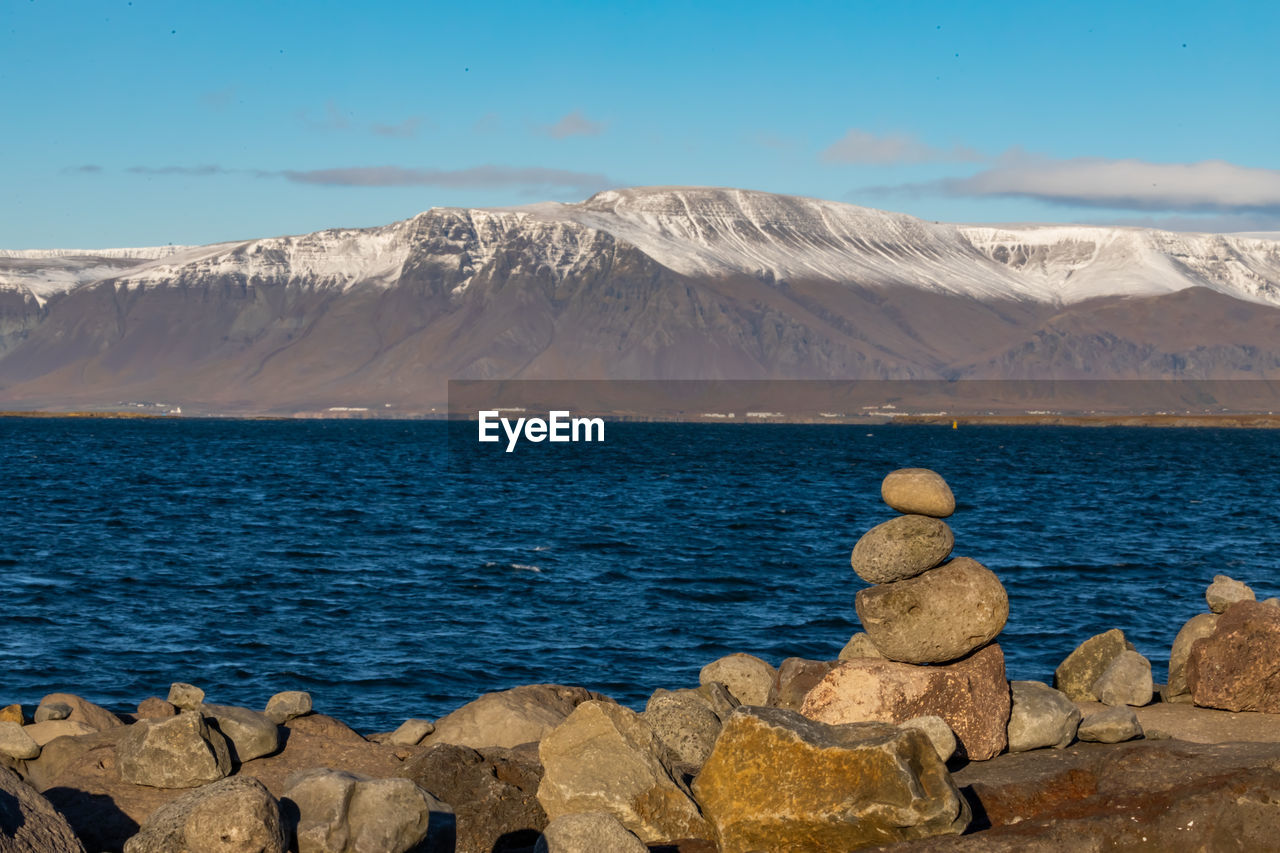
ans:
(971, 695)
(795, 678)
(1237, 667)
(155, 708)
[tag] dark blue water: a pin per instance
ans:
(364, 562)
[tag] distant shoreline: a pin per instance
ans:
(1217, 421)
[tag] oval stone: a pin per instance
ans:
(938, 616)
(902, 548)
(920, 491)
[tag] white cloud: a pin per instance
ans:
(574, 124)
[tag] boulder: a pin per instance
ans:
(1040, 717)
(82, 711)
(748, 677)
(16, 743)
(410, 732)
(47, 711)
(1076, 675)
(938, 732)
(339, 812)
(29, 823)
(718, 698)
(859, 646)
(185, 697)
(249, 733)
(285, 706)
(235, 815)
(1197, 627)
(318, 740)
(919, 491)
(685, 723)
(588, 832)
(180, 752)
(971, 695)
(12, 714)
(1234, 668)
(155, 708)
(510, 717)
(939, 616)
(795, 678)
(901, 548)
(1126, 681)
(779, 781)
(494, 794)
(1224, 592)
(607, 758)
(49, 730)
(1113, 725)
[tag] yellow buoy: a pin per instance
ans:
(954, 425)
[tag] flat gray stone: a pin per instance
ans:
(1114, 725)
(1041, 717)
(1126, 681)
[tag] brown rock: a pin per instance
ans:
(43, 733)
(29, 823)
(859, 646)
(1126, 681)
(12, 714)
(939, 616)
(795, 678)
(1224, 592)
(748, 677)
(181, 752)
(918, 490)
(155, 708)
(778, 781)
(510, 717)
(1076, 675)
(235, 815)
(83, 711)
(685, 723)
(1113, 725)
(607, 758)
(494, 794)
(901, 548)
(971, 695)
(1235, 668)
(1197, 627)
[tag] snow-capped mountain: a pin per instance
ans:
(663, 282)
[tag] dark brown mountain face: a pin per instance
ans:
(727, 285)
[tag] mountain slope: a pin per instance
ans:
(659, 283)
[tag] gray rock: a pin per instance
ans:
(795, 678)
(185, 697)
(411, 732)
(607, 758)
(901, 548)
(180, 752)
(509, 718)
(937, 617)
(28, 823)
(1127, 681)
(685, 723)
(1041, 717)
(1076, 675)
(235, 815)
(939, 733)
(918, 490)
(588, 832)
(748, 677)
(52, 711)
(339, 812)
(249, 733)
(288, 705)
(1112, 725)
(82, 711)
(16, 743)
(718, 698)
(859, 646)
(1197, 627)
(1224, 592)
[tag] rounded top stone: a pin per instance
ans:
(918, 491)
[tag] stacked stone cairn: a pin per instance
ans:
(930, 623)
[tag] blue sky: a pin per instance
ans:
(139, 123)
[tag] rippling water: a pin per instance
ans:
(395, 573)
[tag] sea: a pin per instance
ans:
(399, 569)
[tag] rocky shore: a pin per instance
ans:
(911, 739)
